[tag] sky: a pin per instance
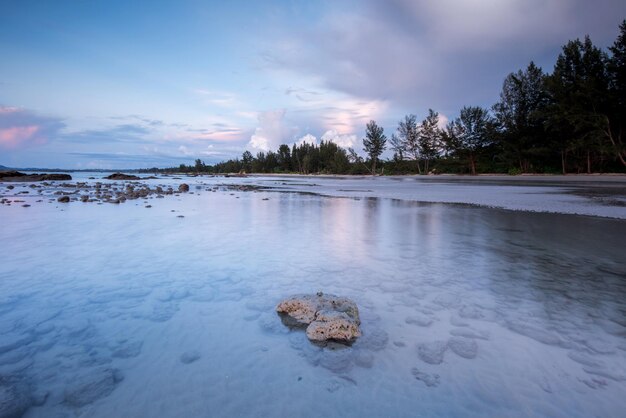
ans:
(120, 84)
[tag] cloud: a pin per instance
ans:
(219, 98)
(307, 139)
(120, 133)
(21, 128)
(418, 54)
(271, 131)
(343, 140)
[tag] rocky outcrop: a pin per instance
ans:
(326, 317)
(16, 176)
(122, 176)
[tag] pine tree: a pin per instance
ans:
(374, 142)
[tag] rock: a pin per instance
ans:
(327, 317)
(189, 357)
(432, 353)
(420, 320)
(430, 380)
(183, 188)
(52, 177)
(122, 176)
(15, 399)
(374, 339)
(11, 173)
(63, 199)
(93, 386)
(127, 349)
(16, 176)
(464, 347)
(332, 325)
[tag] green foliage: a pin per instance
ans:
(572, 120)
(374, 142)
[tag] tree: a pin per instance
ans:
(284, 157)
(429, 138)
(199, 166)
(578, 88)
(374, 142)
(468, 134)
(518, 113)
(616, 125)
(246, 159)
(407, 140)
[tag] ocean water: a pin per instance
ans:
(122, 310)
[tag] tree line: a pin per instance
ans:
(569, 121)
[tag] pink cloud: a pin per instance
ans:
(21, 128)
(13, 137)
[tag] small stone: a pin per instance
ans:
(189, 357)
(63, 199)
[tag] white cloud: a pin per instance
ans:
(343, 140)
(307, 139)
(271, 131)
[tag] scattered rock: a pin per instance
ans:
(421, 320)
(63, 199)
(93, 386)
(327, 317)
(16, 176)
(127, 349)
(122, 176)
(374, 339)
(15, 399)
(464, 347)
(430, 380)
(470, 333)
(183, 187)
(432, 352)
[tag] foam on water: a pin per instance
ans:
(118, 310)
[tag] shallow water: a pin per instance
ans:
(119, 310)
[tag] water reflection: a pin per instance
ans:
(506, 313)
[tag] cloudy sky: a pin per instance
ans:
(119, 84)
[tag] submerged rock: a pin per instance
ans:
(15, 399)
(93, 386)
(326, 317)
(189, 357)
(432, 352)
(464, 347)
